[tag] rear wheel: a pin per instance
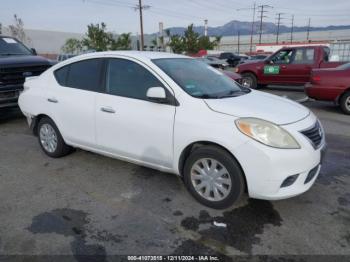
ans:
(213, 177)
(345, 103)
(50, 139)
(249, 80)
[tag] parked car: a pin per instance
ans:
(331, 85)
(254, 58)
(221, 65)
(233, 76)
(176, 114)
(231, 58)
(216, 63)
(258, 57)
(288, 66)
(16, 63)
(63, 57)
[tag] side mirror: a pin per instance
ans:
(268, 61)
(157, 95)
(33, 51)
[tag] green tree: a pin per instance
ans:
(98, 38)
(72, 46)
(123, 42)
(190, 40)
(205, 43)
(154, 42)
(217, 40)
(176, 44)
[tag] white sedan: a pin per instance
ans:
(178, 115)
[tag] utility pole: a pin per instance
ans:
(262, 12)
(206, 27)
(140, 7)
(278, 26)
(292, 29)
(238, 41)
(252, 29)
(308, 30)
(253, 24)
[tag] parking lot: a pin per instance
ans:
(87, 204)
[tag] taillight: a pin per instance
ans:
(315, 78)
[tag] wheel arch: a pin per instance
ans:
(35, 122)
(346, 90)
(249, 72)
(188, 149)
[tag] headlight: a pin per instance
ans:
(267, 133)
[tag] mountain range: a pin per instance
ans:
(232, 28)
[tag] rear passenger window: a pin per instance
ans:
(129, 79)
(61, 75)
(85, 75)
(304, 56)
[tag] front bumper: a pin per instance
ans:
(266, 168)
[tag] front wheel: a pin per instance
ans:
(345, 103)
(249, 80)
(50, 139)
(213, 177)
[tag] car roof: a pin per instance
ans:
(144, 55)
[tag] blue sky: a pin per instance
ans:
(74, 15)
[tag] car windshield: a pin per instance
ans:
(10, 46)
(199, 79)
(344, 66)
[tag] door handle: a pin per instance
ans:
(108, 110)
(284, 67)
(52, 100)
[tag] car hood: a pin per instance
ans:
(261, 105)
(25, 60)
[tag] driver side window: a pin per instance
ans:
(283, 57)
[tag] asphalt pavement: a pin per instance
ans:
(87, 204)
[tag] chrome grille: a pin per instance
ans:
(314, 134)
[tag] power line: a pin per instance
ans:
(262, 12)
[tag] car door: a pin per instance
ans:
(299, 69)
(71, 100)
(127, 124)
(275, 71)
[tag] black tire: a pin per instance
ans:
(251, 79)
(62, 149)
(231, 165)
(344, 103)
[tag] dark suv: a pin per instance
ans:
(16, 63)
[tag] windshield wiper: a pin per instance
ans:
(233, 93)
(206, 96)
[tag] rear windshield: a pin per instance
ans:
(10, 46)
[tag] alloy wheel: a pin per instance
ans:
(48, 138)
